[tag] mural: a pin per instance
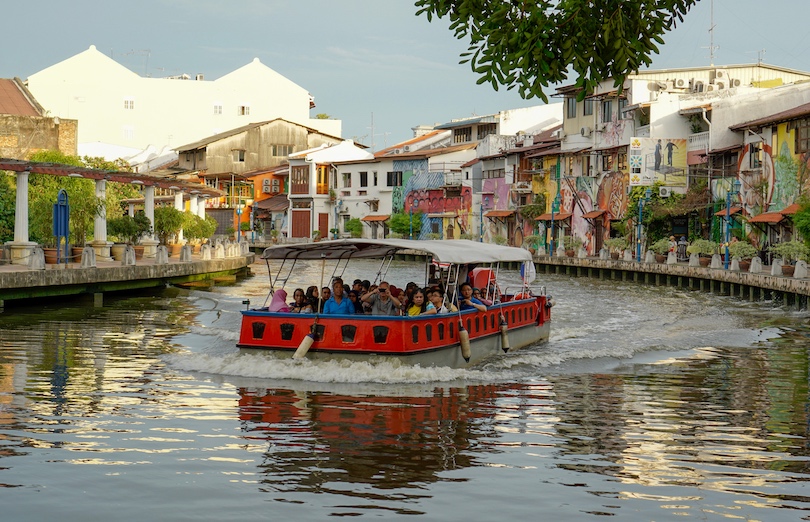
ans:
(612, 194)
(657, 159)
(756, 191)
(426, 193)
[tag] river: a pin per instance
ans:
(647, 403)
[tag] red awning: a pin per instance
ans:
(593, 214)
(790, 210)
(499, 213)
(557, 217)
(767, 217)
(383, 217)
(278, 203)
(731, 212)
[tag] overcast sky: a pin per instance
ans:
(357, 57)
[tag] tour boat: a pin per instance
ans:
(517, 317)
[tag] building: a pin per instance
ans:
(117, 106)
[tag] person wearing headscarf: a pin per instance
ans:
(279, 301)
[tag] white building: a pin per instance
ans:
(117, 106)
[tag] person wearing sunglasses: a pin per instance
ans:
(381, 300)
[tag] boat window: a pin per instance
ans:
(428, 333)
(287, 330)
(415, 334)
(318, 331)
(520, 314)
(258, 330)
(492, 321)
(380, 334)
(469, 326)
(440, 328)
(452, 329)
(513, 316)
(348, 331)
(477, 324)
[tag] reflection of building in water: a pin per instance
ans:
(390, 442)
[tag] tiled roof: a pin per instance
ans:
(13, 101)
(779, 117)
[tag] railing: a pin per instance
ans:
(698, 141)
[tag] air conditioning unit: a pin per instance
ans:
(720, 84)
(735, 82)
(266, 189)
(698, 86)
(265, 182)
(720, 74)
(585, 131)
(709, 88)
(406, 148)
(680, 83)
(275, 188)
(664, 192)
(275, 183)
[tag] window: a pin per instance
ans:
(494, 173)
(243, 110)
(128, 132)
(607, 111)
(607, 162)
(588, 107)
(375, 178)
(622, 162)
(802, 136)
(462, 135)
(586, 165)
(622, 105)
(435, 226)
(239, 156)
(755, 157)
(571, 107)
(281, 150)
(364, 179)
(322, 186)
(129, 103)
(217, 108)
(347, 179)
(395, 179)
(486, 129)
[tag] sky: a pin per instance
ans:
(371, 63)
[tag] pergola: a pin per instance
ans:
(21, 246)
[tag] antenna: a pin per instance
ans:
(712, 47)
(141, 52)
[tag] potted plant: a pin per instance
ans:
(744, 252)
(790, 252)
(334, 232)
(230, 231)
(532, 242)
(616, 245)
(498, 239)
(274, 235)
(316, 235)
(129, 230)
(198, 230)
(660, 248)
(704, 248)
(571, 245)
(168, 223)
(434, 236)
(354, 227)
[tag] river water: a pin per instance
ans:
(647, 403)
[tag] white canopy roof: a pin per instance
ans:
(457, 251)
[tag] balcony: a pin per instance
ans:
(698, 142)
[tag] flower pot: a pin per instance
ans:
(660, 258)
(787, 270)
(174, 249)
(138, 251)
(50, 255)
(614, 255)
(745, 265)
(705, 261)
(117, 251)
(76, 254)
(570, 253)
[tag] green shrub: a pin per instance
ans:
(742, 250)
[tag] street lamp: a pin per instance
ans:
(555, 207)
(733, 192)
(414, 204)
(641, 202)
(239, 223)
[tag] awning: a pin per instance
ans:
(594, 214)
(559, 216)
(442, 215)
(278, 203)
(767, 217)
(547, 152)
(790, 210)
(383, 217)
(731, 212)
(499, 213)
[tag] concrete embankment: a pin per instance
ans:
(19, 282)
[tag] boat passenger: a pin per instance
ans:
(467, 301)
(300, 305)
(436, 296)
(419, 304)
(338, 303)
(312, 296)
(357, 286)
(382, 302)
(279, 301)
(477, 294)
(355, 299)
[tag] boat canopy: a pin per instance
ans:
(456, 251)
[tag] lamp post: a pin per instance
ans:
(733, 192)
(641, 202)
(239, 224)
(555, 207)
(414, 204)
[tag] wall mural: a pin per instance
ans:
(660, 160)
(757, 185)
(425, 192)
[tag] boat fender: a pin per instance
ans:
(520, 296)
(550, 302)
(304, 347)
(464, 340)
(504, 336)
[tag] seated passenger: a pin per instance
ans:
(355, 299)
(381, 301)
(300, 305)
(437, 299)
(279, 301)
(477, 294)
(312, 297)
(419, 304)
(338, 304)
(467, 301)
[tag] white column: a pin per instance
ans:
(21, 209)
(178, 204)
(131, 209)
(100, 223)
(201, 208)
(193, 200)
(150, 243)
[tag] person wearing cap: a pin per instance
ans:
(673, 245)
(357, 286)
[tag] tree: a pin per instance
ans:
(530, 44)
(401, 223)
(8, 200)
